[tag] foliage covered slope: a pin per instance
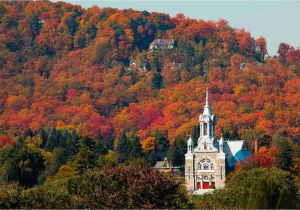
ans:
(68, 67)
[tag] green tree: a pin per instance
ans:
(21, 164)
(128, 148)
(135, 147)
(85, 159)
(163, 145)
(88, 154)
(123, 148)
(157, 80)
(196, 133)
(58, 158)
(53, 139)
(285, 153)
(110, 159)
(176, 152)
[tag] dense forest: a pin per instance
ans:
(80, 89)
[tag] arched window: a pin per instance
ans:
(205, 164)
(204, 129)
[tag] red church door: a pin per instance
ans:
(205, 185)
(198, 185)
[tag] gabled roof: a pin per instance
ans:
(234, 146)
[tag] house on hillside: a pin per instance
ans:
(207, 162)
(161, 44)
(141, 66)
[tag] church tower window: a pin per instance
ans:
(204, 129)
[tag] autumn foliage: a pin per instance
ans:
(4, 140)
(68, 67)
(265, 158)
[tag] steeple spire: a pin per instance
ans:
(207, 110)
(206, 101)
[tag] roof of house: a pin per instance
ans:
(159, 164)
(162, 42)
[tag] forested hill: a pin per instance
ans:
(91, 70)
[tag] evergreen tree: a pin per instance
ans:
(44, 137)
(135, 147)
(163, 145)
(85, 159)
(285, 153)
(195, 134)
(72, 143)
(176, 152)
(128, 148)
(88, 154)
(53, 139)
(157, 80)
(235, 134)
(123, 148)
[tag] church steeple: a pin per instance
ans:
(206, 140)
(207, 110)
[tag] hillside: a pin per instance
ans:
(69, 67)
(91, 99)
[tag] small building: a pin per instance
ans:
(205, 165)
(166, 167)
(161, 44)
(133, 65)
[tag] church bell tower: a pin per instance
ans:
(207, 120)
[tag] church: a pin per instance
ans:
(206, 163)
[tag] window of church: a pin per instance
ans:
(205, 167)
(205, 164)
(204, 129)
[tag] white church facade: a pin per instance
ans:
(205, 162)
